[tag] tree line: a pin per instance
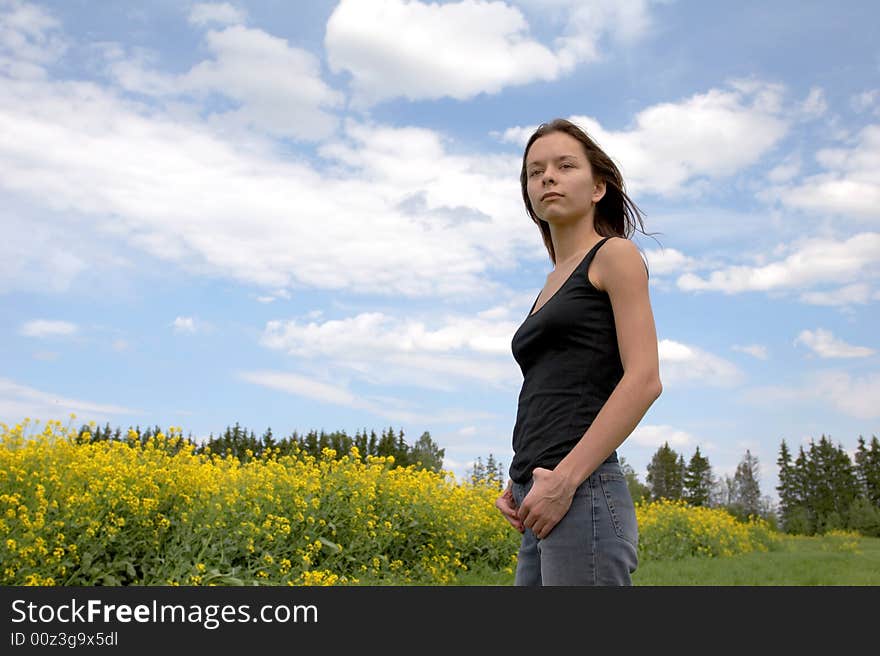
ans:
(244, 444)
(822, 489)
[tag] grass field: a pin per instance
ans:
(823, 560)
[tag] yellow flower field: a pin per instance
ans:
(669, 530)
(119, 513)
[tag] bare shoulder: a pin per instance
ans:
(617, 263)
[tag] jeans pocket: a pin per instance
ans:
(620, 506)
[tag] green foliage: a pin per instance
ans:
(698, 480)
(666, 474)
(490, 474)
(864, 517)
(245, 446)
(801, 561)
(818, 491)
(427, 454)
(868, 469)
(745, 491)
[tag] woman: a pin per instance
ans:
(588, 353)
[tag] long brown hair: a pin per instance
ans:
(616, 215)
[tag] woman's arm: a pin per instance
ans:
(624, 277)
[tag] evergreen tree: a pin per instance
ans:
(494, 475)
(428, 453)
(666, 474)
(698, 480)
(868, 469)
(746, 490)
(401, 451)
(789, 499)
(835, 485)
(360, 441)
(477, 473)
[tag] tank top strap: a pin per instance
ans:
(588, 258)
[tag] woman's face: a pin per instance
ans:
(560, 180)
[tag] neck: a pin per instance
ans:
(572, 239)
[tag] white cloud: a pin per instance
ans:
(672, 146)
(668, 260)
(275, 87)
(405, 49)
(655, 436)
(184, 325)
(858, 293)
(824, 344)
(850, 185)
(681, 363)
(29, 39)
(17, 400)
(755, 350)
(384, 349)
(866, 100)
(815, 104)
(786, 170)
(854, 396)
(306, 387)
(427, 51)
(334, 394)
(47, 328)
(220, 12)
(816, 261)
(386, 210)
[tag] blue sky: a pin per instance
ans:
(308, 216)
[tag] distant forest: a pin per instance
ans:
(820, 489)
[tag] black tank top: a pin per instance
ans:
(570, 361)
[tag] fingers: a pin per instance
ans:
(507, 506)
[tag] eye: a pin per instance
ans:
(534, 172)
(567, 165)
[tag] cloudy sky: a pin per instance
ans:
(308, 216)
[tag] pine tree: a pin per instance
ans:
(428, 453)
(789, 500)
(868, 469)
(835, 485)
(477, 473)
(494, 474)
(666, 474)
(401, 451)
(698, 480)
(746, 490)
(360, 441)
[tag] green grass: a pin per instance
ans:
(822, 560)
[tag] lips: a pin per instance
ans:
(550, 194)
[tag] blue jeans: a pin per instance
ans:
(595, 542)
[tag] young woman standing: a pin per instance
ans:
(588, 353)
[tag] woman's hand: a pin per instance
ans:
(546, 503)
(507, 506)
